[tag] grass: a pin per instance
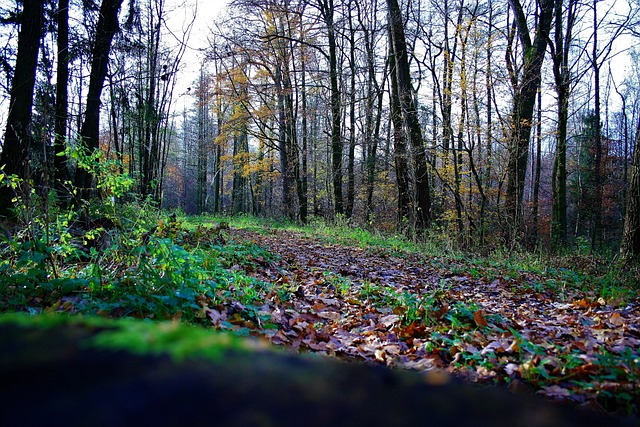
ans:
(597, 275)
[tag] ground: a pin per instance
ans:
(411, 310)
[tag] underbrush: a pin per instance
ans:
(137, 263)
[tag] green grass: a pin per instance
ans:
(598, 276)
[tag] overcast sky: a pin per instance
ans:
(207, 11)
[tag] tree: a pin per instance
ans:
(524, 99)
(410, 115)
(630, 249)
(399, 146)
(18, 138)
(61, 173)
(327, 11)
(560, 48)
(89, 133)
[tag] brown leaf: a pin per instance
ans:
(479, 318)
(616, 319)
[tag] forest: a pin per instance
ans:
(496, 124)
(444, 185)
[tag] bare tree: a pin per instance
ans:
(526, 89)
(105, 31)
(17, 137)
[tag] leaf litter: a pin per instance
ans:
(411, 311)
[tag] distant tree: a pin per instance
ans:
(18, 138)
(583, 181)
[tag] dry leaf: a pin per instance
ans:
(479, 318)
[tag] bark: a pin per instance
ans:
(630, 249)
(523, 104)
(61, 174)
(106, 29)
(410, 116)
(18, 138)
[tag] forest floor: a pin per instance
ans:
(414, 311)
(567, 329)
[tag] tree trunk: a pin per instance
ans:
(327, 10)
(303, 194)
(630, 249)
(61, 174)
(399, 148)
(203, 149)
(596, 232)
(351, 179)
(523, 105)
(106, 29)
(410, 116)
(562, 38)
(536, 174)
(17, 138)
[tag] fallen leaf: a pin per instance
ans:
(555, 391)
(616, 319)
(478, 317)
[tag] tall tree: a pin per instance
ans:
(399, 147)
(410, 115)
(352, 116)
(596, 232)
(327, 11)
(524, 99)
(105, 31)
(61, 173)
(630, 249)
(563, 36)
(18, 138)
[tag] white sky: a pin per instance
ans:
(207, 11)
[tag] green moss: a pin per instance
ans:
(143, 337)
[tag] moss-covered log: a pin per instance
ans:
(77, 372)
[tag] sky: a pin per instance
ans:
(206, 12)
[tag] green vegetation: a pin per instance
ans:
(179, 340)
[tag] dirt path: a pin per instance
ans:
(413, 311)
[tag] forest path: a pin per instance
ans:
(415, 311)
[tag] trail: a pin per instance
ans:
(418, 312)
